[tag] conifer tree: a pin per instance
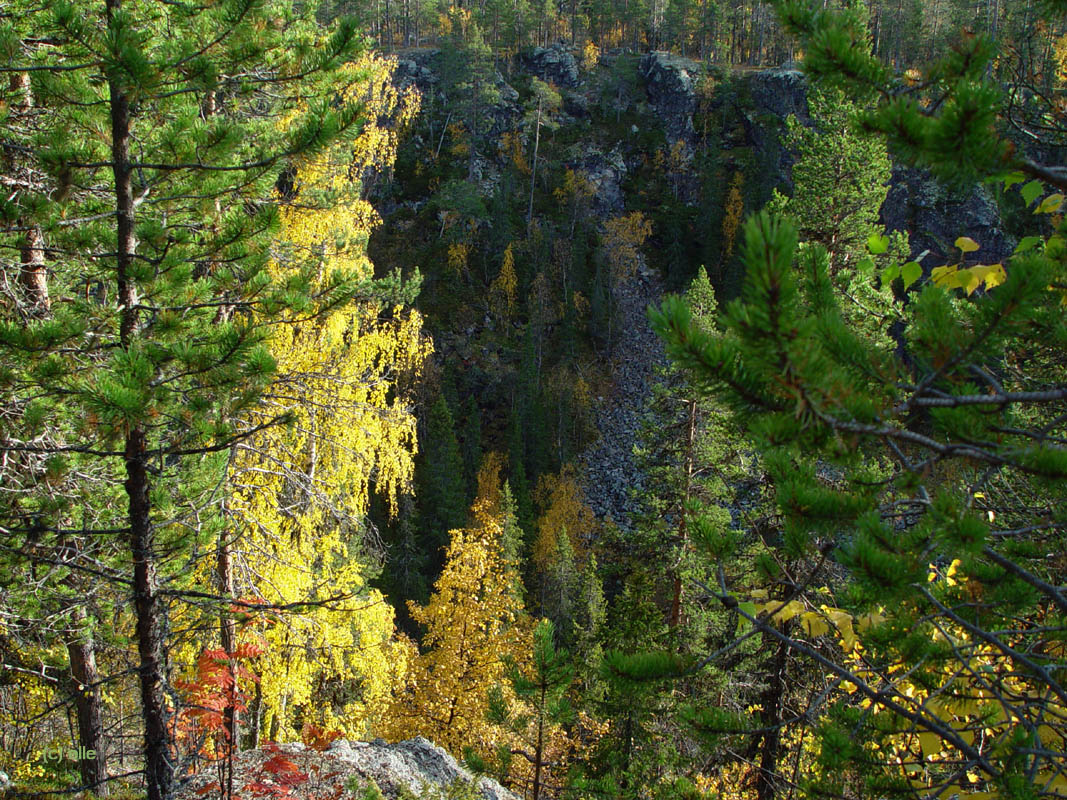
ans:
(472, 444)
(158, 164)
(840, 178)
(441, 489)
(559, 588)
(542, 707)
(900, 473)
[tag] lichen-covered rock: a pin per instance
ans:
(934, 217)
(413, 768)
(411, 765)
(781, 92)
(670, 85)
(554, 64)
(605, 172)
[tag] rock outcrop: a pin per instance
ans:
(670, 82)
(420, 68)
(782, 91)
(411, 765)
(554, 64)
(413, 768)
(605, 173)
(935, 217)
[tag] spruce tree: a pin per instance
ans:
(440, 487)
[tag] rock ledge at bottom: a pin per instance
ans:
(415, 768)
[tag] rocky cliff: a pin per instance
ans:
(753, 106)
(658, 133)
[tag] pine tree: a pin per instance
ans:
(157, 182)
(542, 707)
(840, 179)
(903, 484)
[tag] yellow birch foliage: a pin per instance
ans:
(301, 492)
(472, 624)
(590, 56)
(735, 207)
(621, 242)
(564, 510)
(978, 698)
(504, 290)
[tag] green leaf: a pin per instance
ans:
(890, 274)
(910, 273)
(1028, 243)
(877, 244)
(1031, 191)
(748, 608)
(1012, 178)
(967, 244)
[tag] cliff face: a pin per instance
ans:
(415, 768)
(760, 101)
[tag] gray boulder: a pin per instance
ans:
(555, 64)
(413, 766)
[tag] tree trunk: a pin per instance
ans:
(228, 637)
(771, 716)
(539, 753)
(85, 679)
(32, 273)
(87, 702)
(533, 166)
(149, 607)
(683, 533)
(150, 613)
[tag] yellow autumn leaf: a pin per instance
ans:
(867, 621)
(782, 613)
(1050, 204)
(966, 244)
(814, 624)
(946, 276)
